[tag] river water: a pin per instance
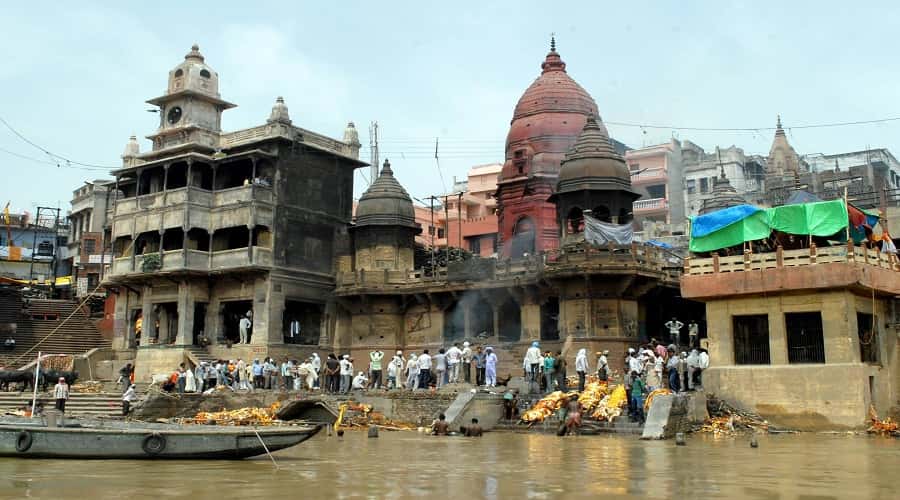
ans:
(499, 465)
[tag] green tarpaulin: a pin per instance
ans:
(753, 227)
(821, 218)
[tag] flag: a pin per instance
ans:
(6, 214)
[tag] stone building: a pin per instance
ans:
(807, 338)
(783, 160)
(209, 226)
(90, 235)
(566, 295)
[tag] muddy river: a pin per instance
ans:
(499, 465)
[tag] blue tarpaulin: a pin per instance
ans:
(709, 223)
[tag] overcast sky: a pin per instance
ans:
(74, 79)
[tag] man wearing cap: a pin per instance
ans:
(61, 394)
(467, 362)
(395, 368)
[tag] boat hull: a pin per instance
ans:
(150, 443)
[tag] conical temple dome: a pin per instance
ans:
(386, 203)
(723, 196)
(592, 164)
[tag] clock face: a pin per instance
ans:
(174, 115)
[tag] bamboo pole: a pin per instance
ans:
(37, 372)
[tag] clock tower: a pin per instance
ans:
(191, 110)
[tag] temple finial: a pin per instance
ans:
(778, 125)
(552, 42)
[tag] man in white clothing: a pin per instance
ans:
(317, 367)
(454, 357)
(467, 362)
(346, 373)
(424, 362)
(532, 364)
(243, 326)
(674, 327)
(581, 367)
(693, 333)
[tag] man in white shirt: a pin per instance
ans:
(693, 333)
(533, 363)
(603, 366)
(702, 364)
(129, 396)
(424, 362)
(346, 373)
(61, 394)
(674, 327)
(243, 326)
(467, 362)
(635, 364)
(454, 357)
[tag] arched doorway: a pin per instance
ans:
(523, 238)
(575, 221)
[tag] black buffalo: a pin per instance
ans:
(51, 377)
(24, 377)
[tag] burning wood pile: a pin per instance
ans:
(241, 416)
(725, 419)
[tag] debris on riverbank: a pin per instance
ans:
(886, 427)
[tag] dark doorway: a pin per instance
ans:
(550, 319)
(482, 319)
(167, 322)
(302, 322)
(868, 338)
(455, 322)
(133, 334)
(232, 312)
(199, 322)
(510, 321)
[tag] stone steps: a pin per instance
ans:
(79, 404)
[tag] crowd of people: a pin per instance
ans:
(656, 366)
(289, 374)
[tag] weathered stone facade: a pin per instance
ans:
(806, 338)
(210, 225)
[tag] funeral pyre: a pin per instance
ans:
(725, 419)
(241, 416)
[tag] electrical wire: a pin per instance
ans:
(50, 153)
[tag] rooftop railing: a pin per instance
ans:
(791, 258)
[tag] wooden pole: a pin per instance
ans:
(37, 372)
(848, 210)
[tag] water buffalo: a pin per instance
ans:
(24, 377)
(51, 377)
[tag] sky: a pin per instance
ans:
(74, 76)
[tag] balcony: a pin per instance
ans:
(650, 175)
(179, 261)
(651, 205)
(845, 266)
(205, 209)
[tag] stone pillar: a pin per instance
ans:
(777, 337)
(184, 335)
(530, 312)
(148, 324)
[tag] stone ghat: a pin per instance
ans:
(418, 408)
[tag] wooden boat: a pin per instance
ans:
(146, 441)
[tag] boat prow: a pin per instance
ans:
(159, 442)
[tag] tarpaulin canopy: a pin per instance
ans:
(714, 221)
(602, 233)
(752, 227)
(821, 218)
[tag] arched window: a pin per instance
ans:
(523, 237)
(178, 73)
(204, 73)
(575, 221)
